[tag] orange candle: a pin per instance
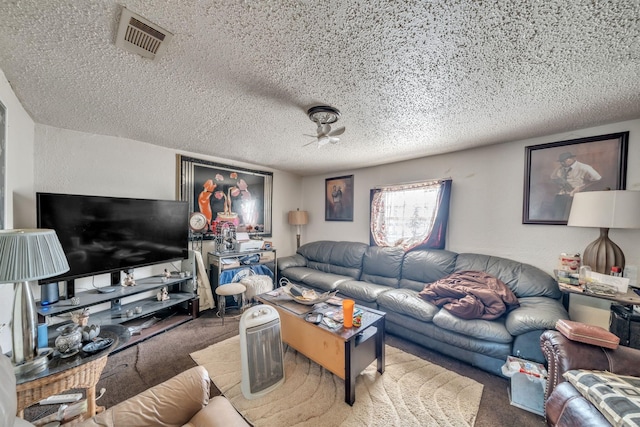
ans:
(347, 312)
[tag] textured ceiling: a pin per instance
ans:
(411, 78)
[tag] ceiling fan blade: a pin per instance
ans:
(334, 140)
(336, 132)
(324, 140)
(309, 143)
(310, 136)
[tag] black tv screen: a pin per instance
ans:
(109, 234)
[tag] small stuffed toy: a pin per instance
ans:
(163, 294)
(128, 280)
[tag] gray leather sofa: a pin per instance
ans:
(390, 279)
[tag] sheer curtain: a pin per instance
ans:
(410, 215)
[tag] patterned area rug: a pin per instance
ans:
(411, 392)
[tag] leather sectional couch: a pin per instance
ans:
(390, 280)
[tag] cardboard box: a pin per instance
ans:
(527, 385)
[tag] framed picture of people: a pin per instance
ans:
(555, 171)
(339, 198)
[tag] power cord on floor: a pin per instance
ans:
(102, 392)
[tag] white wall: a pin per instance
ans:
(486, 207)
(18, 186)
(79, 163)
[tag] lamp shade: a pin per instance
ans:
(30, 254)
(606, 209)
(298, 217)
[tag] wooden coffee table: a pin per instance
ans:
(346, 352)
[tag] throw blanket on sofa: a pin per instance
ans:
(471, 295)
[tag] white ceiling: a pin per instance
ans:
(411, 78)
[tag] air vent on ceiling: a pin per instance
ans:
(138, 35)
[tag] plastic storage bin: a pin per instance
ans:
(528, 383)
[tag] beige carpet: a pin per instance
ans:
(411, 392)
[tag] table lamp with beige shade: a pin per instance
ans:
(28, 255)
(605, 210)
(298, 218)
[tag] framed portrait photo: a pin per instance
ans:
(338, 196)
(555, 171)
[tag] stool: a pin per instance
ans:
(229, 289)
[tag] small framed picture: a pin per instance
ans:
(339, 198)
(267, 245)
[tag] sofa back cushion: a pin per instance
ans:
(382, 265)
(343, 258)
(426, 266)
(523, 279)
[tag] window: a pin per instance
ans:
(410, 215)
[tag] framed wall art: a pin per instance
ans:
(227, 194)
(555, 171)
(339, 198)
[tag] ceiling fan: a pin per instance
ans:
(323, 116)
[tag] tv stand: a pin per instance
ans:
(182, 305)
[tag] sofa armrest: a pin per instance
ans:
(563, 355)
(535, 313)
(171, 403)
(296, 260)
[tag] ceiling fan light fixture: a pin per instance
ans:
(323, 114)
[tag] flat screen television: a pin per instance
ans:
(110, 234)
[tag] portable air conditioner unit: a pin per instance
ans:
(260, 351)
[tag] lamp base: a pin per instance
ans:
(602, 254)
(35, 365)
(297, 241)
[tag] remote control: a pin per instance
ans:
(61, 398)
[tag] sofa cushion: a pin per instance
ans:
(324, 281)
(617, 397)
(297, 274)
(523, 279)
(362, 291)
(407, 302)
(490, 330)
(420, 267)
(382, 265)
(296, 260)
(341, 258)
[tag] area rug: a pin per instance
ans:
(411, 392)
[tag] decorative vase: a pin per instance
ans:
(90, 332)
(69, 341)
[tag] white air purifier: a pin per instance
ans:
(260, 351)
